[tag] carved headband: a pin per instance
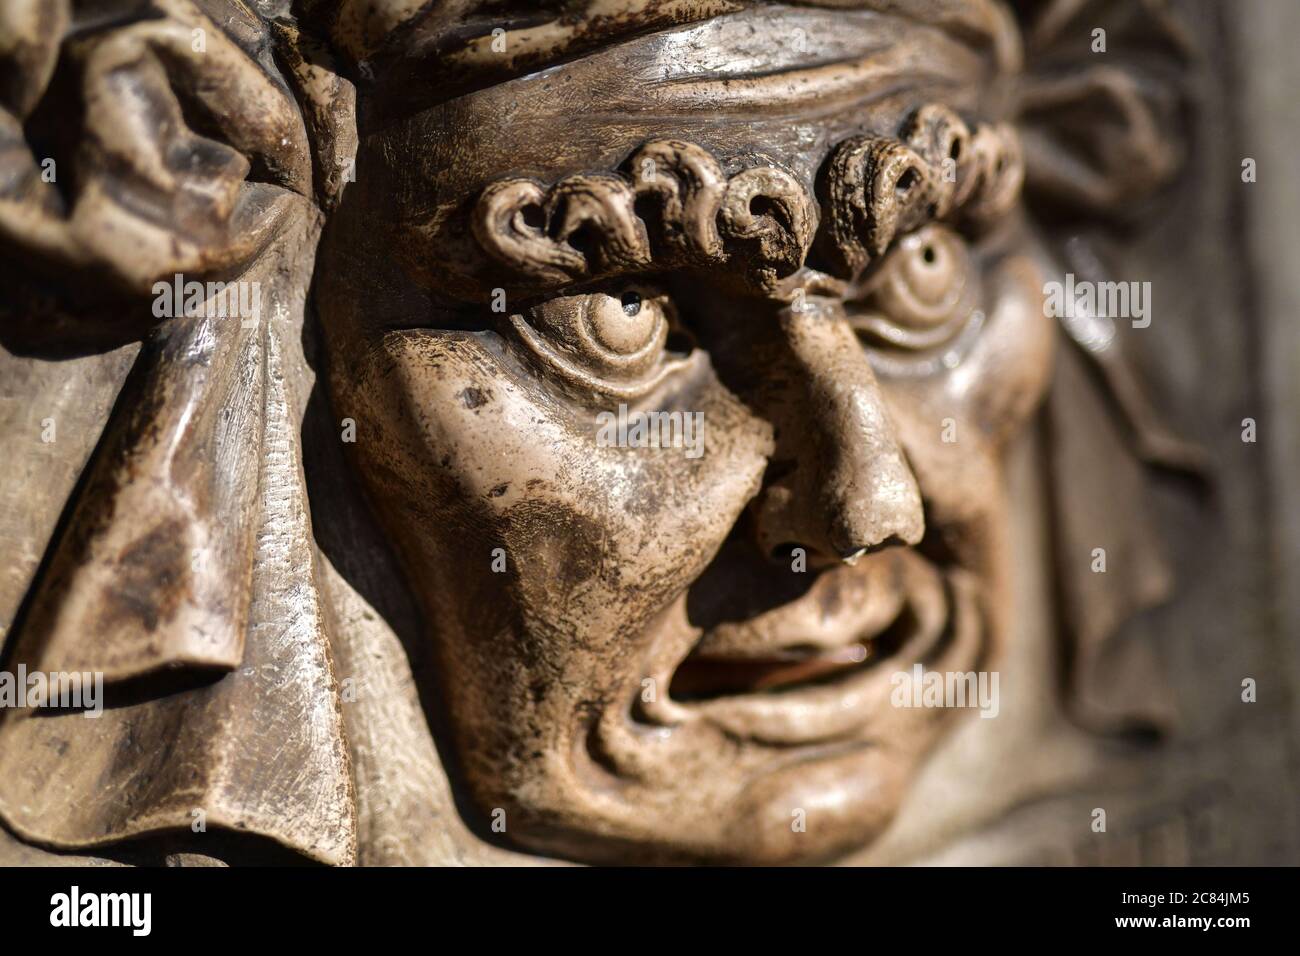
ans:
(419, 53)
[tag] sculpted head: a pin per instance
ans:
(693, 361)
(671, 653)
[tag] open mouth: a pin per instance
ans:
(766, 628)
(812, 659)
(705, 675)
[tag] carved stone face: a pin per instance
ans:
(686, 653)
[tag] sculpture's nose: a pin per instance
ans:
(839, 483)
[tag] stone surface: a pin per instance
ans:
(375, 573)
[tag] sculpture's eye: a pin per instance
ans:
(614, 339)
(920, 295)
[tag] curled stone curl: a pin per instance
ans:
(673, 205)
(877, 188)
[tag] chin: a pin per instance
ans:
(780, 738)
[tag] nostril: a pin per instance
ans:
(797, 556)
(784, 552)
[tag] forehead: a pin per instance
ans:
(766, 94)
(781, 83)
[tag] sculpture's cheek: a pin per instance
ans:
(955, 424)
(996, 382)
(1015, 355)
(478, 465)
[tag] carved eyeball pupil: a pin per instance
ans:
(623, 323)
(931, 275)
(907, 181)
(922, 285)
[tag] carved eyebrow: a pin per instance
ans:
(877, 188)
(671, 205)
(757, 224)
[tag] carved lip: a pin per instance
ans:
(834, 628)
(774, 679)
(704, 675)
